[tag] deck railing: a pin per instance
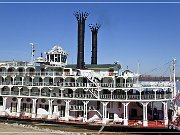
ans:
(79, 84)
(88, 96)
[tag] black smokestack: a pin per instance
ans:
(81, 18)
(94, 30)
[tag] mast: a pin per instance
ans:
(32, 52)
(174, 88)
(174, 77)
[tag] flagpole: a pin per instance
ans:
(32, 52)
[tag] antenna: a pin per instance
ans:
(32, 52)
(138, 72)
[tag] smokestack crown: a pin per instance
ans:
(81, 16)
(95, 27)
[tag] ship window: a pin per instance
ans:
(13, 99)
(43, 100)
(59, 101)
(47, 57)
(63, 58)
(52, 57)
(28, 99)
(58, 58)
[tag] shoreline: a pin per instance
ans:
(29, 129)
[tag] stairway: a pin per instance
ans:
(94, 84)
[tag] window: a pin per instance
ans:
(63, 58)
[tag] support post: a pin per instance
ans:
(145, 119)
(125, 113)
(104, 111)
(34, 108)
(165, 113)
(67, 109)
(4, 105)
(50, 108)
(85, 111)
(18, 107)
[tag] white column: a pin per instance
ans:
(126, 94)
(104, 111)
(99, 92)
(165, 113)
(114, 80)
(145, 119)
(111, 93)
(85, 111)
(54, 57)
(67, 110)
(50, 108)
(34, 108)
(18, 107)
(125, 113)
(43, 81)
(62, 93)
(60, 58)
(19, 89)
(4, 105)
(125, 82)
(155, 94)
(22, 80)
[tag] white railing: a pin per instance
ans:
(38, 74)
(85, 85)
(81, 107)
(89, 96)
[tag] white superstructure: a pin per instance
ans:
(49, 88)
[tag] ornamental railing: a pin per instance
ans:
(89, 96)
(85, 85)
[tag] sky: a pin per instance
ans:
(130, 33)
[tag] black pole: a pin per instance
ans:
(81, 18)
(94, 29)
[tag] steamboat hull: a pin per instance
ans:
(89, 126)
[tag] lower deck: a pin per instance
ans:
(133, 125)
(91, 112)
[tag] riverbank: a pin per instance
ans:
(25, 129)
(40, 129)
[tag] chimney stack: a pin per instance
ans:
(81, 18)
(94, 29)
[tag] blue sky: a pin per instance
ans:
(131, 33)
